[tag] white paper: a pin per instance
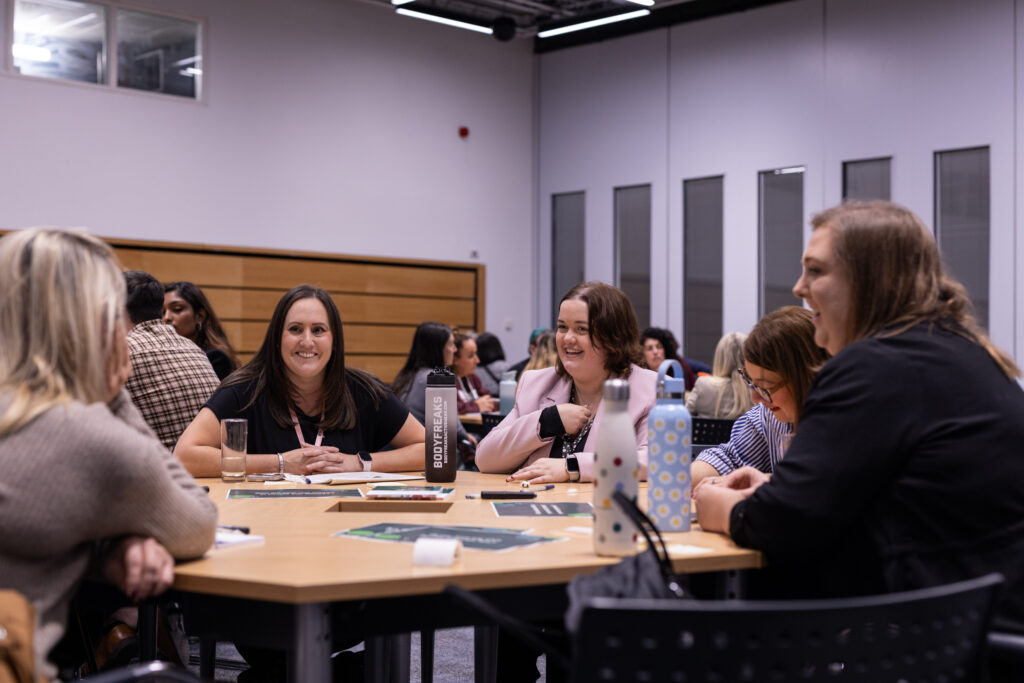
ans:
(231, 539)
(350, 477)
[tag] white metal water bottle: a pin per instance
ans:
(615, 469)
(507, 392)
(669, 431)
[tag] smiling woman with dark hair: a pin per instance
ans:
(549, 434)
(307, 411)
(188, 310)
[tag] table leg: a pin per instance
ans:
(309, 660)
(146, 630)
(485, 653)
(207, 658)
(427, 656)
(387, 658)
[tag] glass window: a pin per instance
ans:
(702, 257)
(158, 54)
(633, 248)
(867, 179)
(781, 235)
(962, 220)
(567, 246)
(60, 39)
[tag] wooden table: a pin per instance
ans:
(301, 573)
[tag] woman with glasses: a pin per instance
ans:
(906, 469)
(780, 359)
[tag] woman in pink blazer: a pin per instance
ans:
(549, 436)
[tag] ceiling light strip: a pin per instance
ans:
(444, 20)
(592, 23)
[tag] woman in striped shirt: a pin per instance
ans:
(780, 359)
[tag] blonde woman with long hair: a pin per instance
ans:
(68, 426)
(724, 395)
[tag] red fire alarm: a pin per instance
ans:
(463, 132)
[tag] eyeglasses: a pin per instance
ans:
(761, 391)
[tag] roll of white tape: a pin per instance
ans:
(436, 552)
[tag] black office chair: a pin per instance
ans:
(710, 432)
(933, 634)
(489, 421)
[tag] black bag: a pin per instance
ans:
(646, 575)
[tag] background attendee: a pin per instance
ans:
(545, 352)
(171, 377)
(780, 359)
(433, 346)
(188, 309)
(518, 367)
(906, 469)
(659, 344)
(724, 394)
(492, 362)
(67, 426)
(556, 413)
(307, 411)
(473, 398)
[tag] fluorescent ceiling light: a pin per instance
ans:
(790, 169)
(645, 3)
(191, 71)
(400, 2)
(445, 21)
(187, 60)
(592, 23)
(30, 53)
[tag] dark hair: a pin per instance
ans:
(896, 275)
(460, 339)
(612, 323)
(488, 347)
(145, 297)
(783, 342)
(667, 339)
(266, 370)
(209, 334)
(427, 351)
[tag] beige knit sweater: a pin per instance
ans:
(78, 474)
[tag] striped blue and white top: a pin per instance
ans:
(757, 440)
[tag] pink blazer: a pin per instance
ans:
(516, 440)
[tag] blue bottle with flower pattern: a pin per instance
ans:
(669, 433)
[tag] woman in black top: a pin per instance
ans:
(307, 411)
(188, 310)
(906, 470)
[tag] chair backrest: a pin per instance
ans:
(925, 635)
(155, 671)
(489, 421)
(710, 432)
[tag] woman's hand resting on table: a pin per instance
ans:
(487, 404)
(716, 496)
(312, 459)
(543, 471)
(140, 567)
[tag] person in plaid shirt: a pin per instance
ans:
(171, 377)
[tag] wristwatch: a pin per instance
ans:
(572, 466)
(367, 460)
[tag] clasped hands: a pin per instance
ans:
(715, 497)
(312, 459)
(552, 470)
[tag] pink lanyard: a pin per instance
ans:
(298, 429)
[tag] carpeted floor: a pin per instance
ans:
(453, 658)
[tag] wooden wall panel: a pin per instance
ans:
(381, 300)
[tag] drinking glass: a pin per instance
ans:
(233, 441)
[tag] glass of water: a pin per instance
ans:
(234, 436)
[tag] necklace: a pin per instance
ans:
(571, 444)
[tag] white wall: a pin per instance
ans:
(810, 82)
(328, 125)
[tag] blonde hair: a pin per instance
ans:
(545, 354)
(727, 363)
(62, 297)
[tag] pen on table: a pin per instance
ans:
(232, 527)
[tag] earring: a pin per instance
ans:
(199, 326)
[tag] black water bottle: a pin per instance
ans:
(441, 416)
